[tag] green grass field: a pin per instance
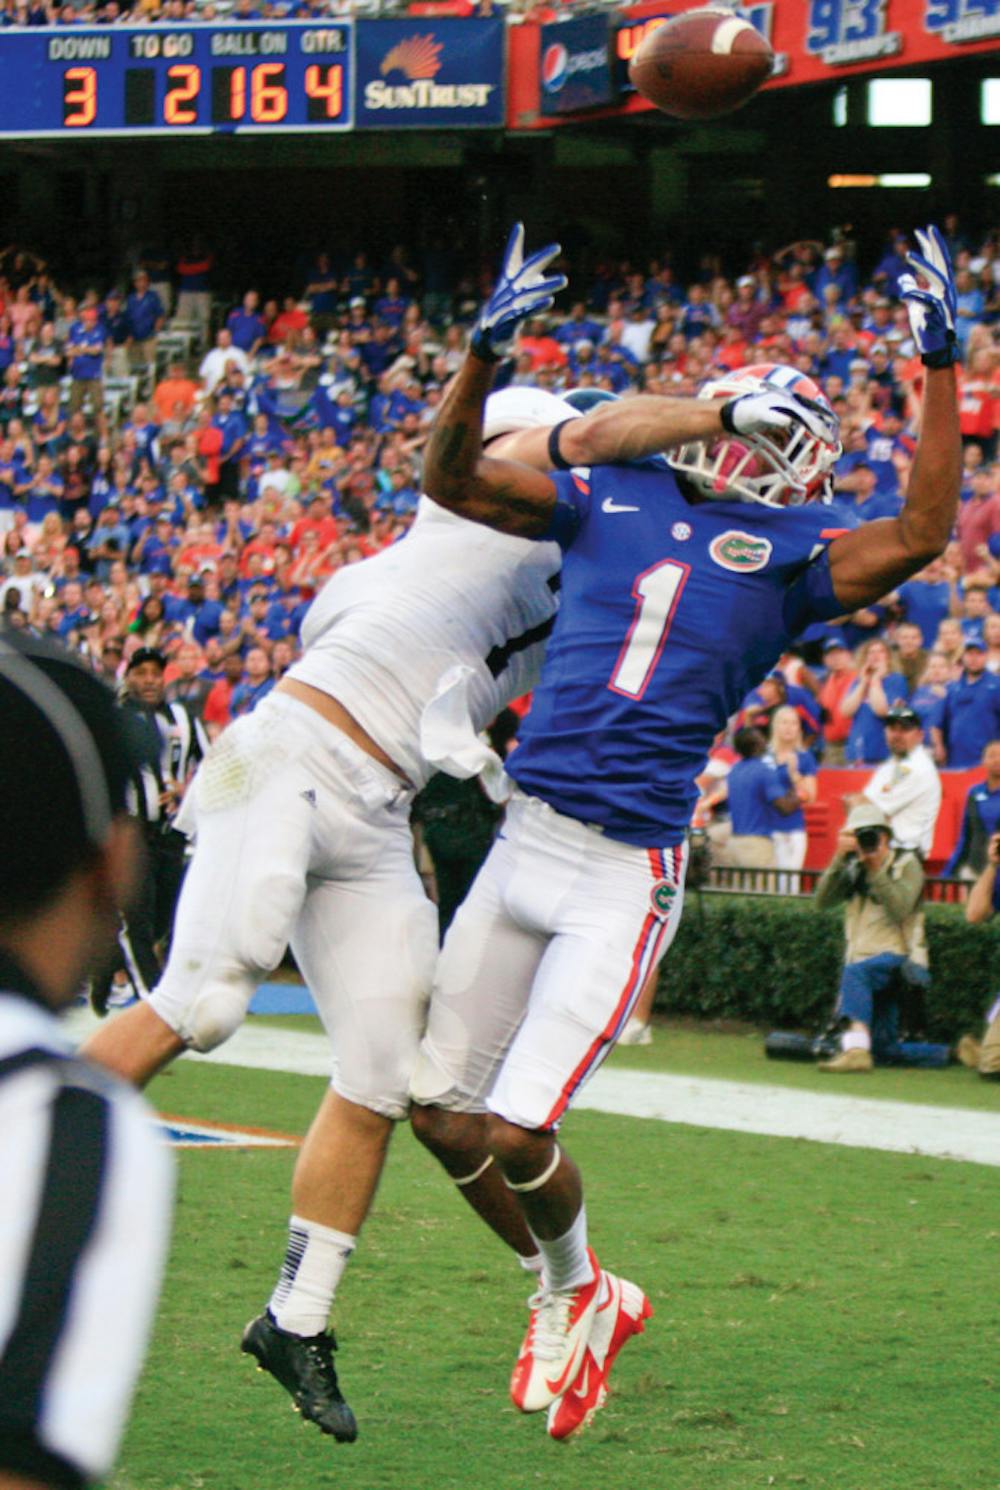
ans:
(824, 1316)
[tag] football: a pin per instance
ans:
(701, 64)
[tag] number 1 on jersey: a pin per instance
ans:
(657, 591)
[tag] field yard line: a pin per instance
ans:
(701, 1102)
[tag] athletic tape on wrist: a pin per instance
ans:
(470, 1179)
(542, 1179)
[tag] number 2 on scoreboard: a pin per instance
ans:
(657, 591)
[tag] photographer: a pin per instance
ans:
(982, 905)
(881, 888)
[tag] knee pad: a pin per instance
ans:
(216, 1011)
(430, 1084)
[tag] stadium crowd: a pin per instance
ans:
(196, 506)
(25, 13)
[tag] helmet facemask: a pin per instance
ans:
(785, 468)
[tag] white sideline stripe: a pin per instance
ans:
(701, 1102)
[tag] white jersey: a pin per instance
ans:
(427, 641)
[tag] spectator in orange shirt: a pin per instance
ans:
(537, 342)
(216, 713)
(289, 322)
(264, 545)
(317, 519)
(175, 388)
(208, 444)
(840, 675)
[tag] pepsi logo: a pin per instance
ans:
(555, 67)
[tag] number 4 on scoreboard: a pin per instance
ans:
(324, 92)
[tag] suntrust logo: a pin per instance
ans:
(416, 57)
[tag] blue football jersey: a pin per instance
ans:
(671, 611)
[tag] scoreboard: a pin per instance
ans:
(185, 79)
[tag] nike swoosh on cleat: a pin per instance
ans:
(610, 505)
(581, 1389)
(558, 1386)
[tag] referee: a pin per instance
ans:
(84, 1177)
(170, 743)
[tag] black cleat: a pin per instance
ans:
(303, 1364)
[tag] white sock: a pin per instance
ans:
(856, 1040)
(532, 1264)
(313, 1266)
(565, 1261)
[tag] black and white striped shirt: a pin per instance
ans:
(176, 744)
(86, 1183)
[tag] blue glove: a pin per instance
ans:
(522, 290)
(931, 307)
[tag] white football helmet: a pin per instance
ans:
(782, 469)
(519, 408)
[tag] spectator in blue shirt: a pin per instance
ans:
(980, 820)
(971, 715)
(971, 305)
(925, 600)
(144, 312)
(756, 793)
(45, 492)
(927, 699)
(578, 326)
(889, 268)
(85, 353)
(391, 307)
(246, 325)
(867, 702)
(835, 270)
(322, 294)
(117, 332)
(257, 683)
(983, 904)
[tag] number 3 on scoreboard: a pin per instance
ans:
(79, 97)
(657, 591)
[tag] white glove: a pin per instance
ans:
(931, 307)
(765, 412)
(522, 289)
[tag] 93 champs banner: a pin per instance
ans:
(421, 74)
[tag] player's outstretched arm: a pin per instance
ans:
(500, 493)
(868, 563)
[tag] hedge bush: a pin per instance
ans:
(775, 962)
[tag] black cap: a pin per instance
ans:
(65, 760)
(901, 713)
(146, 654)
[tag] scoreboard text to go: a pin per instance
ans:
(268, 78)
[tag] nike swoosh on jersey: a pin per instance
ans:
(610, 505)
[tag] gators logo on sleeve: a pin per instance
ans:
(740, 552)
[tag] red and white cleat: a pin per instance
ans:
(553, 1348)
(621, 1313)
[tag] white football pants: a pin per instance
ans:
(302, 838)
(543, 964)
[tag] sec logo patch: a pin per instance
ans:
(661, 898)
(740, 552)
(681, 531)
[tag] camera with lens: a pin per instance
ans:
(868, 839)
